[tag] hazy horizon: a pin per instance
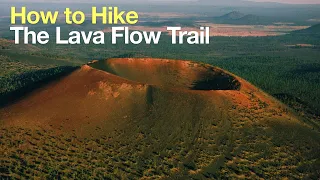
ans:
(173, 1)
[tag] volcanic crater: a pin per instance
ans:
(170, 73)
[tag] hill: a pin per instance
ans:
(232, 15)
(313, 30)
(154, 118)
(236, 17)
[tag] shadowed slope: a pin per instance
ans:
(96, 124)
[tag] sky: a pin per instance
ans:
(278, 1)
(292, 1)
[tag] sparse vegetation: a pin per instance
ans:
(178, 136)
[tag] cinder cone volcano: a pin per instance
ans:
(156, 118)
